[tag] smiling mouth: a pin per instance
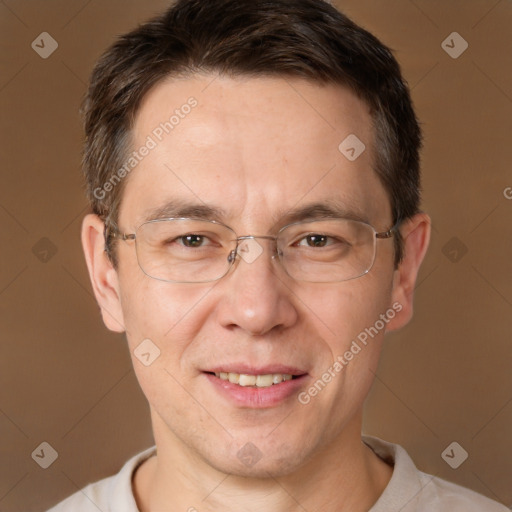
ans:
(258, 381)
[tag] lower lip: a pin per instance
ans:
(254, 397)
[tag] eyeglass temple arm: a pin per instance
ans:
(124, 236)
(390, 232)
(114, 233)
(385, 234)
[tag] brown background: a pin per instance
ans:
(68, 381)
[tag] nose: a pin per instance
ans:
(255, 295)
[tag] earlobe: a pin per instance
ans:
(104, 278)
(416, 236)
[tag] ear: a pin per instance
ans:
(416, 236)
(103, 276)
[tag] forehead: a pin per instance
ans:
(253, 148)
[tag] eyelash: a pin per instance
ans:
(330, 240)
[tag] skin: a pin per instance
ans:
(257, 147)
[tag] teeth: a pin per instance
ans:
(247, 380)
(277, 378)
(234, 377)
(260, 381)
(264, 381)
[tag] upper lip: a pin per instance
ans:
(248, 369)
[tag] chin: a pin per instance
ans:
(259, 459)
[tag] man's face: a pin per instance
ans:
(255, 148)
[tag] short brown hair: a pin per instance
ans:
(308, 39)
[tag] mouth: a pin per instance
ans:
(264, 380)
(253, 387)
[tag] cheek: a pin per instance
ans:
(162, 321)
(170, 315)
(349, 317)
(343, 310)
(368, 311)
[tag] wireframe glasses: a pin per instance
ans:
(187, 250)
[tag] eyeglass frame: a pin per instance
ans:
(126, 237)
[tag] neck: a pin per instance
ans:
(343, 476)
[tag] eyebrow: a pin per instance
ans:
(329, 208)
(176, 208)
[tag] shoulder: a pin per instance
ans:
(450, 497)
(113, 493)
(89, 499)
(411, 490)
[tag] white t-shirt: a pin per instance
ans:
(409, 490)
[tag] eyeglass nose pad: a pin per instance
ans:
(232, 256)
(278, 253)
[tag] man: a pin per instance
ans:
(253, 172)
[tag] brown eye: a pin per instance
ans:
(316, 240)
(192, 240)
